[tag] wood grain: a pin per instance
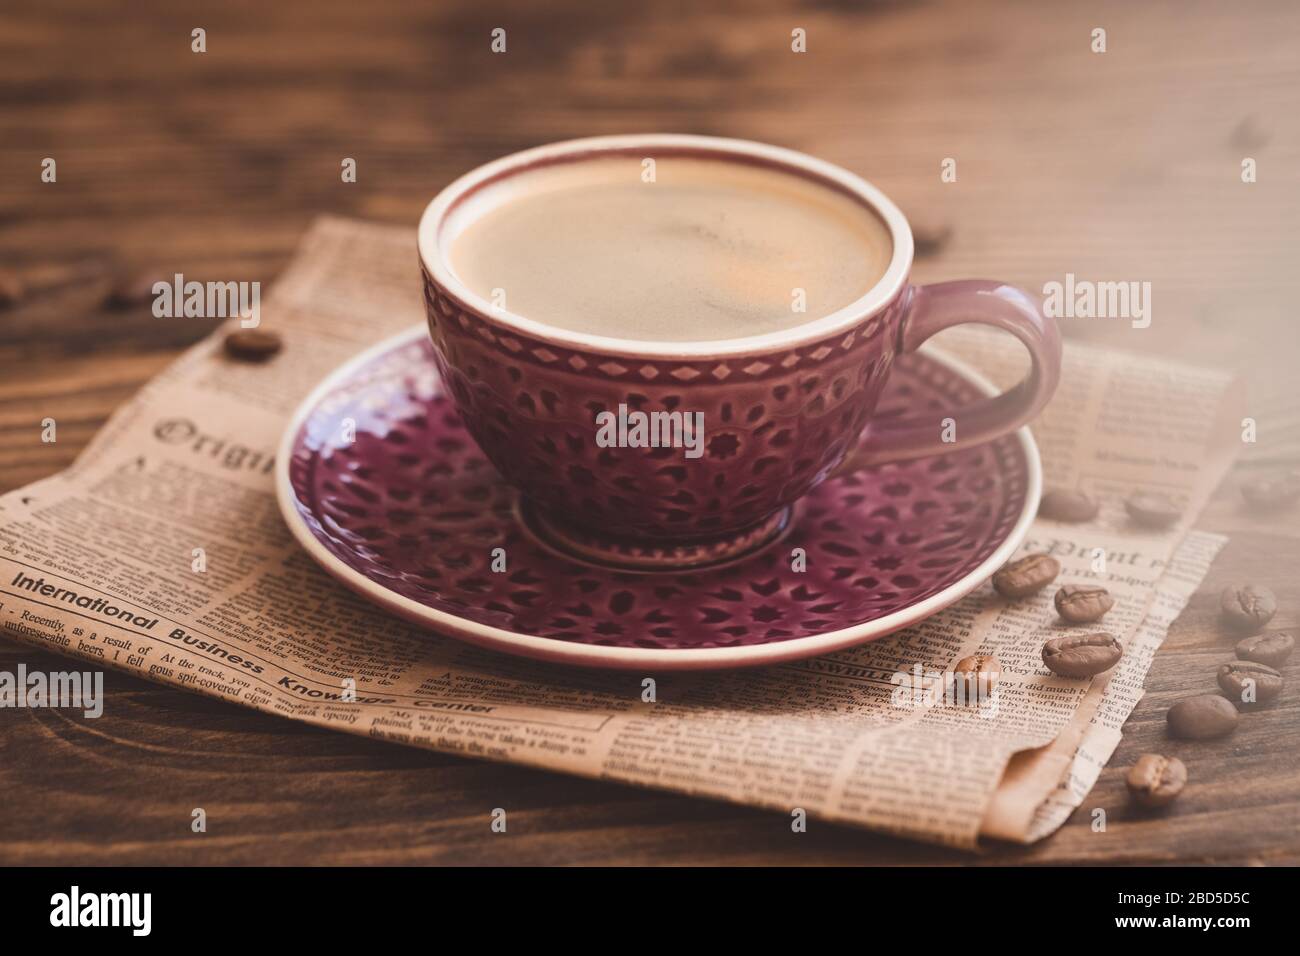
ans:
(1115, 166)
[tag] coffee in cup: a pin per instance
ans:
(706, 250)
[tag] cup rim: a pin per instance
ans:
(885, 290)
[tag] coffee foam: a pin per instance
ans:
(711, 250)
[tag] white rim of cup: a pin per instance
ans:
(877, 297)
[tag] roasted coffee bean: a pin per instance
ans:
(1152, 509)
(252, 345)
(1272, 492)
(12, 288)
(1155, 780)
(1083, 603)
(977, 675)
(1270, 649)
(1247, 607)
(131, 289)
(1082, 655)
(1202, 718)
(1026, 576)
(1062, 504)
(1248, 682)
(1250, 136)
(929, 239)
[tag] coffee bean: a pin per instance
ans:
(1248, 682)
(1247, 607)
(1270, 649)
(1202, 718)
(1082, 655)
(929, 239)
(1083, 603)
(12, 288)
(1151, 509)
(1155, 780)
(1062, 504)
(252, 345)
(1026, 576)
(1250, 136)
(135, 288)
(1272, 492)
(978, 675)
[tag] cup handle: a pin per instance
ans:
(936, 307)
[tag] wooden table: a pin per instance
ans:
(1115, 166)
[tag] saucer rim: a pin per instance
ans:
(631, 658)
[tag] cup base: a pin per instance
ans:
(588, 547)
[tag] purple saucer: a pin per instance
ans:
(410, 512)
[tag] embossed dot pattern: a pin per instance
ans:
(776, 421)
(414, 505)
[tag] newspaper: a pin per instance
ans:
(1155, 424)
(188, 463)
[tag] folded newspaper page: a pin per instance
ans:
(1152, 421)
(97, 563)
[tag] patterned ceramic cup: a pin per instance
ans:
(783, 410)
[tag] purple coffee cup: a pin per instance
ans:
(785, 410)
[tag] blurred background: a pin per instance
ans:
(1116, 166)
(1123, 165)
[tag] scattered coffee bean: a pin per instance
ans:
(1062, 504)
(978, 675)
(1152, 509)
(1247, 682)
(1247, 607)
(929, 239)
(44, 277)
(12, 288)
(252, 345)
(1270, 649)
(1250, 136)
(131, 289)
(1202, 718)
(1272, 492)
(1083, 603)
(1082, 655)
(1026, 575)
(1155, 780)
